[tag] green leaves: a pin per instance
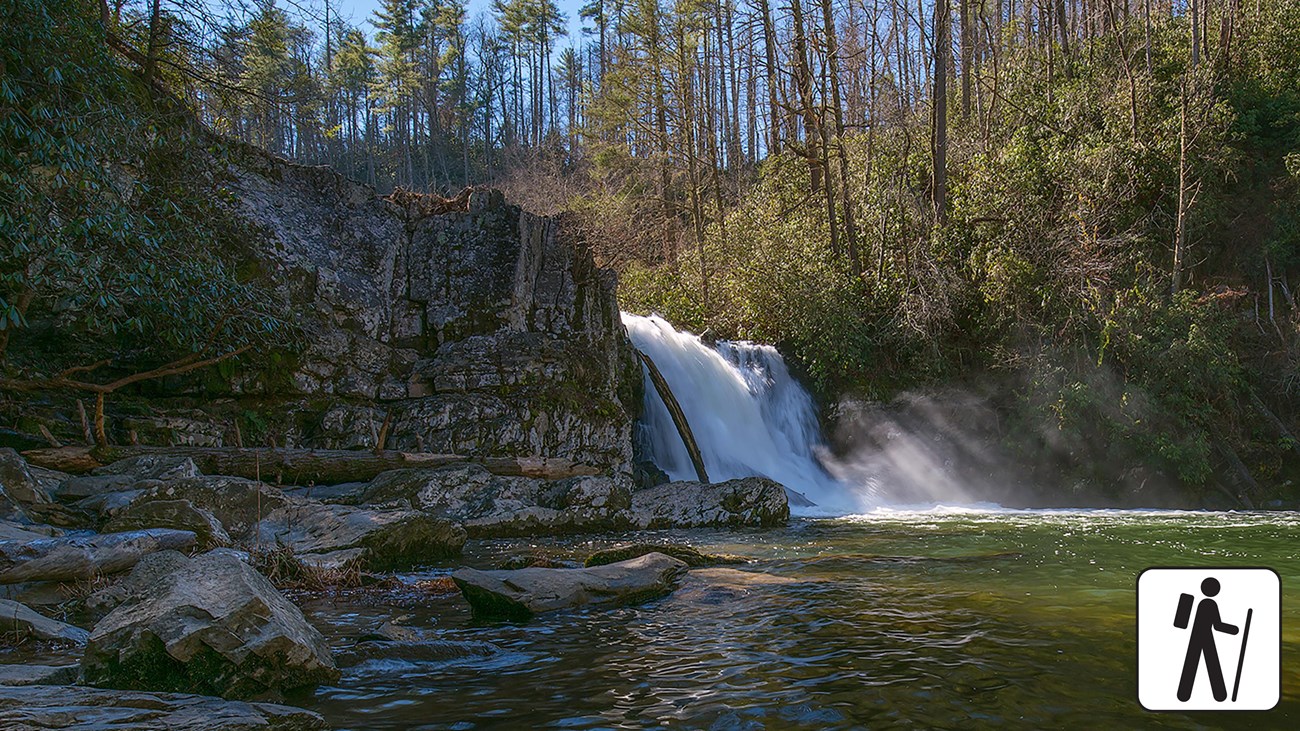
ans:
(109, 244)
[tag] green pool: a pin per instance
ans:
(939, 619)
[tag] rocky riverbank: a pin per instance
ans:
(158, 590)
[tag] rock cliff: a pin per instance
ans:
(487, 332)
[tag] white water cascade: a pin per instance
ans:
(748, 414)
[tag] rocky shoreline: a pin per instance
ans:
(163, 597)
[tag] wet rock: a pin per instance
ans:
(646, 474)
(143, 576)
(378, 539)
(41, 707)
(686, 554)
(179, 514)
(751, 501)
(77, 558)
(495, 505)
(23, 621)
(725, 586)
(29, 674)
(522, 593)
(214, 626)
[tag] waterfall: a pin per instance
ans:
(748, 414)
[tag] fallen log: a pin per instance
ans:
(303, 466)
(75, 559)
(679, 416)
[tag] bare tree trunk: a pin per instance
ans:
(151, 53)
(939, 127)
(1180, 226)
(846, 200)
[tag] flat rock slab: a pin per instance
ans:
(73, 559)
(41, 707)
(23, 620)
(521, 593)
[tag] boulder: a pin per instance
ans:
(378, 539)
(750, 501)
(77, 558)
(214, 626)
(143, 577)
(41, 707)
(236, 503)
(30, 674)
(491, 505)
(23, 621)
(179, 514)
(521, 593)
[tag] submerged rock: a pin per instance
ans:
(77, 558)
(40, 707)
(378, 539)
(23, 621)
(215, 626)
(750, 501)
(429, 650)
(521, 593)
(686, 554)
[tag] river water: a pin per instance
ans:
(940, 618)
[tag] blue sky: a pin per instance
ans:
(359, 10)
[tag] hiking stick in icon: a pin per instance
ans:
(1201, 644)
(1241, 659)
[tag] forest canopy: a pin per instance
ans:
(1090, 203)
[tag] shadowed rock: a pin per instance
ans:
(40, 707)
(23, 621)
(521, 593)
(179, 514)
(74, 559)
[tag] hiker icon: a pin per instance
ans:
(1202, 645)
(1209, 638)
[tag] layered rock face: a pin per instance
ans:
(484, 332)
(487, 332)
